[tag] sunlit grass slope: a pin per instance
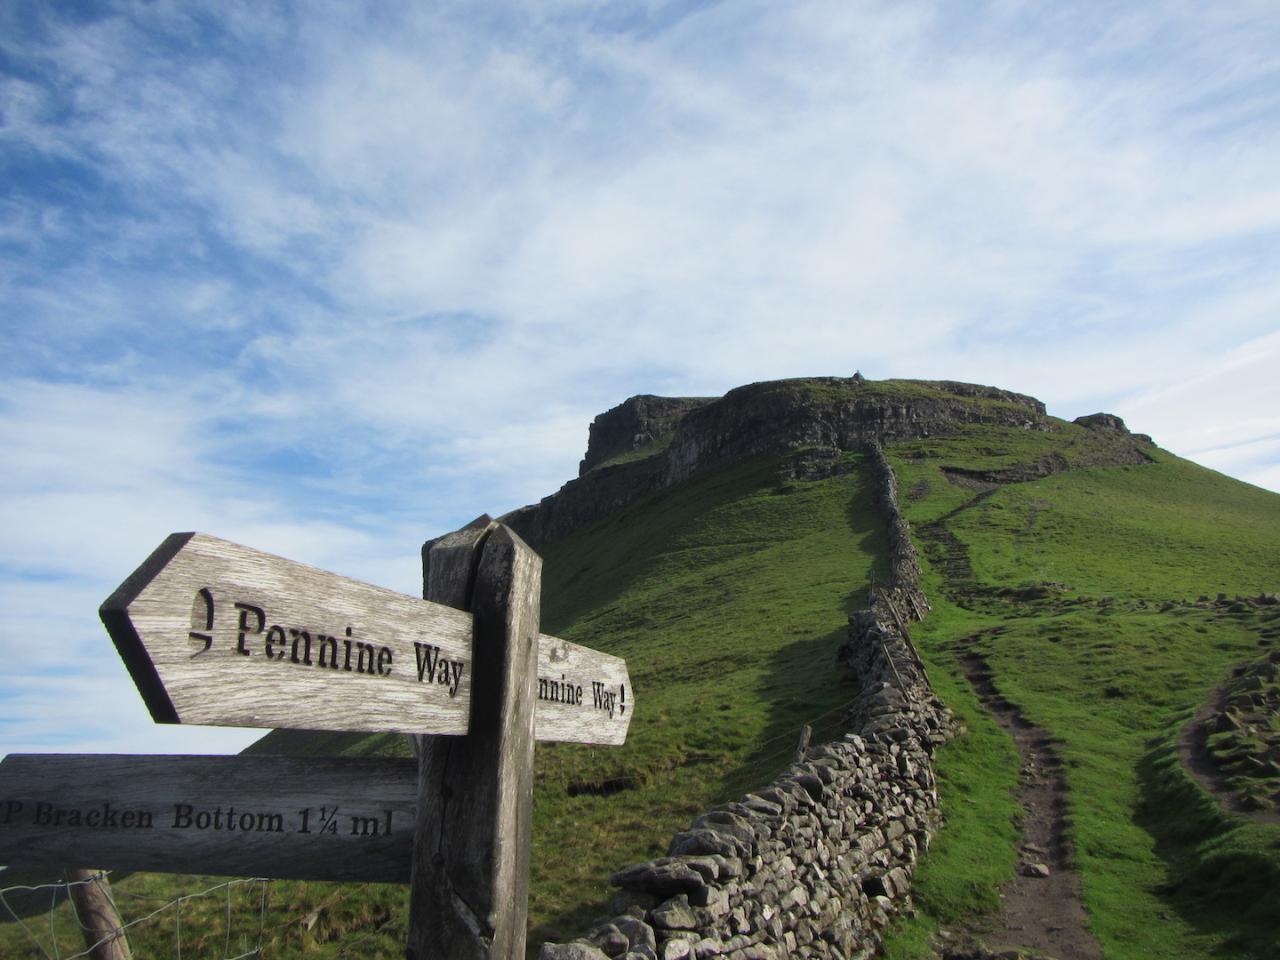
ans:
(728, 597)
(1104, 660)
(1166, 530)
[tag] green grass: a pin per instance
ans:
(322, 920)
(1168, 530)
(728, 597)
(1112, 671)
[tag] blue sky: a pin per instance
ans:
(329, 279)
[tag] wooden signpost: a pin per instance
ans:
(216, 633)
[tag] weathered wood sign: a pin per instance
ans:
(216, 633)
(278, 817)
(469, 892)
(583, 696)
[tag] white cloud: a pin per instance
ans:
(330, 284)
(1226, 402)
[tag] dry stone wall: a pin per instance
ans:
(816, 863)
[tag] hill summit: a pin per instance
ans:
(649, 443)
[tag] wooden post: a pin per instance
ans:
(802, 748)
(470, 875)
(104, 937)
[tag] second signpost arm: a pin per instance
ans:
(469, 896)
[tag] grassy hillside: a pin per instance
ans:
(1081, 590)
(728, 596)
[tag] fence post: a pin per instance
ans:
(470, 877)
(90, 893)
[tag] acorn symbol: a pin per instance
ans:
(202, 620)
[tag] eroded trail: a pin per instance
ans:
(1193, 750)
(1043, 912)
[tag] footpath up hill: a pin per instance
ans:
(1104, 605)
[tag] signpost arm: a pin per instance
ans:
(469, 894)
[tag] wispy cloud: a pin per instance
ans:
(331, 278)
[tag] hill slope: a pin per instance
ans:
(1086, 594)
(720, 544)
(1069, 558)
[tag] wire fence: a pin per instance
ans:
(53, 938)
(229, 920)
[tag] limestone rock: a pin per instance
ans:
(576, 950)
(674, 914)
(1103, 422)
(664, 877)
(611, 941)
(637, 932)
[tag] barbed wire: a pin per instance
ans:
(64, 887)
(812, 722)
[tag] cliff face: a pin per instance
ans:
(648, 443)
(633, 425)
(835, 413)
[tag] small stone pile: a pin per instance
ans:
(1243, 738)
(816, 863)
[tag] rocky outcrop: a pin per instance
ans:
(689, 435)
(835, 413)
(1109, 423)
(1102, 422)
(633, 425)
(816, 863)
(582, 502)
(1241, 735)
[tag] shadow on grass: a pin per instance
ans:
(1223, 872)
(813, 689)
(801, 684)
